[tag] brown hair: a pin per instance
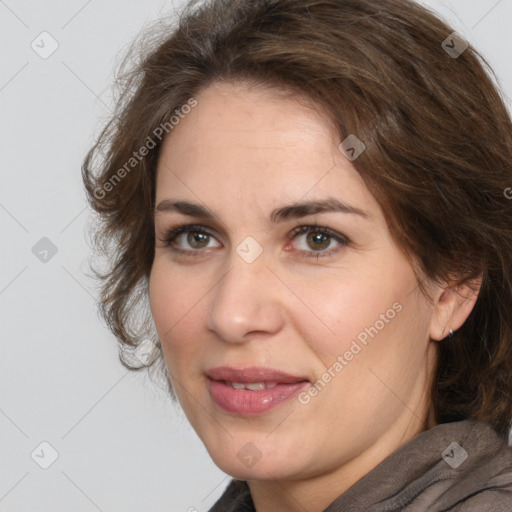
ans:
(438, 157)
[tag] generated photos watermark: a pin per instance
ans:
(137, 156)
(355, 348)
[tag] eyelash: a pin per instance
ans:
(171, 235)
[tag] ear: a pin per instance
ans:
(452, 306)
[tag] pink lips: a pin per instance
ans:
(252, 402)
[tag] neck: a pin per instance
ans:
(315, 493)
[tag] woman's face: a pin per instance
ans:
(287, 265)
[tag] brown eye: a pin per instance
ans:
(198, 240)
(191, 239)
(318, 241)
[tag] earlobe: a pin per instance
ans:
(453, 306)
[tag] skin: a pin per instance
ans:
(242, 152)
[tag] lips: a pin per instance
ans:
(253, 375)
(252, 391)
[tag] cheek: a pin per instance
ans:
(176, 303)
(354, 306)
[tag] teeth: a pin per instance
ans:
(253, 386)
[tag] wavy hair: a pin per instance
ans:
(438, 157)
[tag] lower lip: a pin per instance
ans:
(250, 403)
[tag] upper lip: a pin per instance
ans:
(252, 374)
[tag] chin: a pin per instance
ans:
(257, 472)
(248, 463)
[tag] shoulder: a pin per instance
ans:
(463, 466)
(474, 472)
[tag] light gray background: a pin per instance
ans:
(121, 446)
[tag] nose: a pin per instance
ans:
(246, 303)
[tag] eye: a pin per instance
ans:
(189, 239)
(317, 240)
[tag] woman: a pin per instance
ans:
(307, 201)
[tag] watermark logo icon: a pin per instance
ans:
(352, 147)
(145, 351)
(44, 250)
(44, 455)
(455, 45)
(44, 45)
(249, 455)
(455, 455)
(249, 250)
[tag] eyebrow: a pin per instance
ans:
(281, 214)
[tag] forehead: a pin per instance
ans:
(256, 144)
(240, 117)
